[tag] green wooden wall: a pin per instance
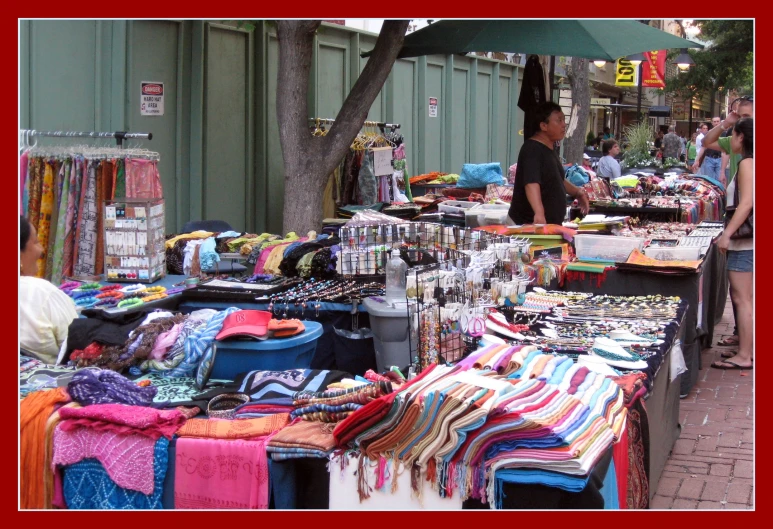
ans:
(218, 137)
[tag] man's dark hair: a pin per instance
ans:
(546, 109)
(607, 146)
(606, 130)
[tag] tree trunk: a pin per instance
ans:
(309, 160)
(577, 72)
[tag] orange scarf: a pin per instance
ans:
(34, 411)
(234, 429)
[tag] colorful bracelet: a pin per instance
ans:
(154, 297)
(128, 303)
(155, 290)
(86, 302)
(90, 286)
(76, 294)
(133, 288)
(107, 302)
(110, 294)
(69, 285)
(108, 288)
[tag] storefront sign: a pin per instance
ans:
(654, 69)
(625, 73)
(433, 107)
(152, 99)
(600, 101)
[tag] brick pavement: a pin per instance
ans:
(711, 465)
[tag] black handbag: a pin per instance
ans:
(746, 230)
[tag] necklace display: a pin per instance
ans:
(313, 292)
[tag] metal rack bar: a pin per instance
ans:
(379, 124)
(118, 135)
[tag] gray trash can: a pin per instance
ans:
(390, 334)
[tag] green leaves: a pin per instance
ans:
(727, 61)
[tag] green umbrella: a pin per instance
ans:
(591, 39)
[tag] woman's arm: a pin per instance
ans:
(745, 185)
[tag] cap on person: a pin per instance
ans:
(585, 155)
(251, 323)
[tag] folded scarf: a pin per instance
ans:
(211, 474)
(306, 435)
(108, 387)
(127, 459)
(122, 419)
(34, 411)
(87, 485)
(234, 429)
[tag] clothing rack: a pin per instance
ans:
(380, 124)
(118, 135)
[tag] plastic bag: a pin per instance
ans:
(480, 175)
(577, 175)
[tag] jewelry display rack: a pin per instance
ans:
(134, 240)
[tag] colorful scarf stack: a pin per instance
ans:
(302, 439)
(470, 430)
(336, 405)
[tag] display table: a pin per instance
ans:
(703, 291)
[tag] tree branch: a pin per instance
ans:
(296, 40)
(355, 109)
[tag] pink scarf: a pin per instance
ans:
(123, 419)
(218, 474)
(128, 459)
(164, 341)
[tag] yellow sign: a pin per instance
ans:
(625, 73)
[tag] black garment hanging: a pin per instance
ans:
(532, 95)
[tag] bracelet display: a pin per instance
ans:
(223, 406)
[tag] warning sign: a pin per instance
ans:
(152, 99)
(433, 107)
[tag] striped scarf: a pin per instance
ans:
(199, 342)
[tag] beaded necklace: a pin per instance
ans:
(153, 297)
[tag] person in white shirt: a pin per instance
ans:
(45, 312)
(608, 167)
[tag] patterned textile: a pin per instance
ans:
(102, 192)
(199, 341)
(23, 164)
(234, 429)
(46, 209)
(123, 419)
(171, 390)
(87, 485)
(127, 459)
(304, 435)
(119, 178)
(87, 224)
(62, 228)
(35, 183)
(59, 178)
(108, 387)
(176, 352)
(142, 179)
(638, 457)
(212, 474)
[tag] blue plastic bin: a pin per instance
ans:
(238, 356)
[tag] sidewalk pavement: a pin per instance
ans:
(711, 465)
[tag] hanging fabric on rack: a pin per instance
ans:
(142, 179)
(57, 258)
(63, 195)
(87, 225)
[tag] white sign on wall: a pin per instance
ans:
(152, 99)
(382, 161)
(433, 107)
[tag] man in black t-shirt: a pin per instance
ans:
(539, 195)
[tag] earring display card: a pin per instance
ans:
(134, 240)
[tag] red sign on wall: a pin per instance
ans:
(654, 69)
